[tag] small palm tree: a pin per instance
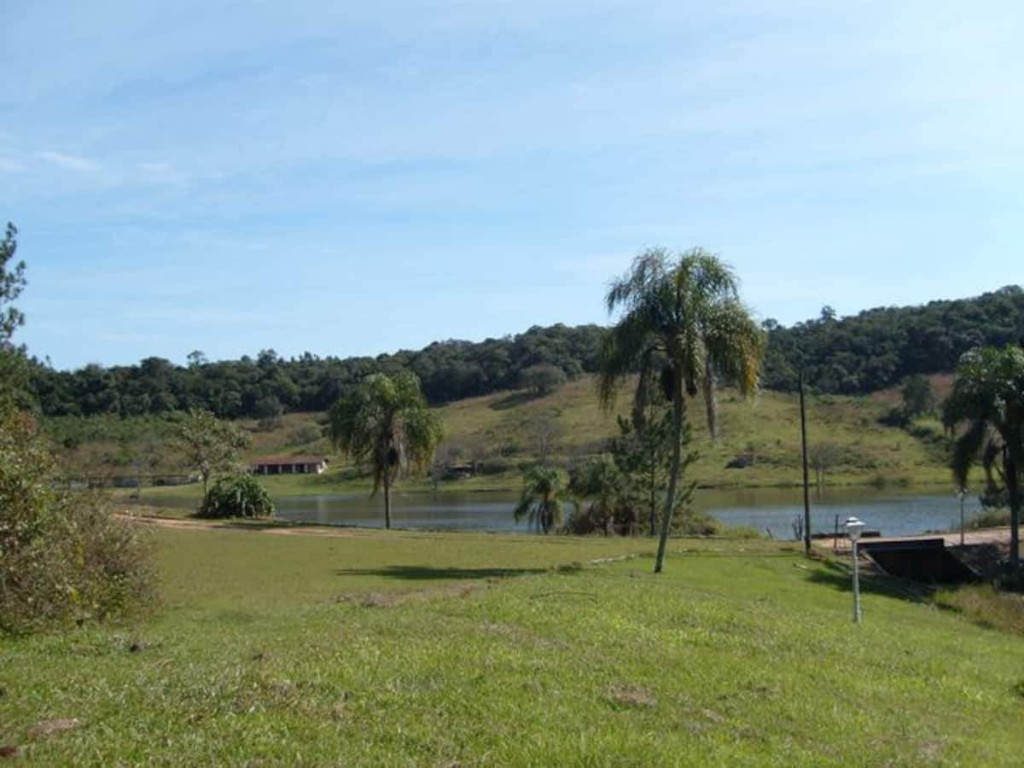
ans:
(541, 499)
(385, 425)
(987, 404)
(682, 320)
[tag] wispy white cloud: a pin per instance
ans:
(392, 148)
(71, 162)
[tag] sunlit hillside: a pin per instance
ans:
(758, 445)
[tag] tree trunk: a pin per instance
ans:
(678, 416)
(1013, 490)
(387, 501)
(654, 497)
(711, 401)
(803, 448)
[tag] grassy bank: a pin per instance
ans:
(463, 649)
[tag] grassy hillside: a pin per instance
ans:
(471, 650)
(768, 428)
(498, 432)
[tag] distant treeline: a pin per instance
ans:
(876, 349)
(269, 385)
(879, 348)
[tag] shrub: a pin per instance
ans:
(307, 433)
(238, 495)
(542, 379)
(63, 558)
(990, 518)
(690, 522)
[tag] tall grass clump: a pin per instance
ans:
(63, 558)
(985, 605)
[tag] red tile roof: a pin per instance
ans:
(267, 460)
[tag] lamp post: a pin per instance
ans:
(962, 493)
(853, 529)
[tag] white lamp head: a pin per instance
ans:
(854, 527)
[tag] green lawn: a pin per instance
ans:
(397, 648)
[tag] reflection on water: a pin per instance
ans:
(894, 513)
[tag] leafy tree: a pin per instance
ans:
(987, 405)
(542, 497)
(918, 396)
(197, 359)
(12, 282)
(13, 365)
(384, 424)
(543, 379)
(237, 495)
(210, 445)
(643, 450)
(682, 320)
(824, 456)
(63, 557)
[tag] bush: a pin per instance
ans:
(63, 558)
(542, 379)
(690, 522)
(990, 518)
(238, 495)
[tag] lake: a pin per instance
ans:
(894, 513)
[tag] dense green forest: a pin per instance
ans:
(872, 350)
(269, 385)
(878, 348)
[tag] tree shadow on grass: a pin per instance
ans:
(514, 399)
(278, 525)
(429, 573)
(841, 578)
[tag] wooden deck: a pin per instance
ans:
(971, 538)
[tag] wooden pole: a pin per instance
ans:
(803, 442)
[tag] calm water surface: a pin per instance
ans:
(894, 513)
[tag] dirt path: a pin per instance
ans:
(206, 525)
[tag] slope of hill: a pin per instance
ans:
(765, 431)
(496, 433)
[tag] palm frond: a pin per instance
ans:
(735, 344)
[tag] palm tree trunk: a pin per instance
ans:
(678, 417)
(387, 501)
(1013, 490)
(711, 400)
(654, 497)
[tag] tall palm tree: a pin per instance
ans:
(541, 500)
(681, 320)
(385, 425)
(987, 403)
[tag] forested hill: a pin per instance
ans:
(880, 347)
(869, 351)
(267, 385)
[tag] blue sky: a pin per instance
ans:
(354, 178)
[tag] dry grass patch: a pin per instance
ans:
(631, 696)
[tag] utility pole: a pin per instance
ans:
(803, 441)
